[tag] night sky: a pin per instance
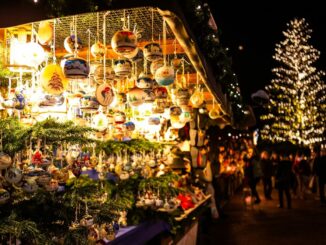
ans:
(258, 27)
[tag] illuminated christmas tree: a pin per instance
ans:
(296, 111)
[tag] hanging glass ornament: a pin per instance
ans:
(124, 43)
(136, 96)
(99, 73)
(45, 32)
(104, 94)
(70, 44)
(152, 51)
(100, 121)
(165, 76)
(76, 68)
(215, 112)
(161, 92)
(52, 79)
(122, 67)
(144, 81)
(4, 196)
(13, 175)
(98, 50)
(119, 117)
(5, 160)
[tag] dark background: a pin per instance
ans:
(258, 27)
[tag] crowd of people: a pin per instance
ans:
(293, 175)
(236, 162)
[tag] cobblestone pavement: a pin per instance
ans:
(266, 224)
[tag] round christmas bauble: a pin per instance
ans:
(136, 96)
(119, 117)
(161, 92)
(165, 76)
(70, 43)
(45, 32)
(104, 94)
(4, 196)
(124, 42)
(150, 95)
(52, 79)
(13, 175)
(76, 68)
(99, 73)
(5, 161)
(98, 50)
(144, 81)
(122, 67)
(152, 51)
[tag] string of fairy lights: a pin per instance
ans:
(296, 111)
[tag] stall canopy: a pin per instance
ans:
(181, 40)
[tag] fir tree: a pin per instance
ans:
(296, 110)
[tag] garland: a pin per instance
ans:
(209, 41)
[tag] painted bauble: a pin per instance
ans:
(52, 185)
(100, 122)
(165, 76)
(45, 32)
(52, 79)
(182, 97)
(150, 95)
(124, 42)
(130, 126)
(176, 63)
(43, 179)
(176, 122)
(5, 161)
(98, 50)
(19, 100)
(161, 92)
(13, 175)
(119, 117)
(144, 81)
(87, 220)
(197, 99)
(154, 121)
(132, 54)
(4, 196)
(136, 96)
(69, 44)
(155, 65)
(76, 68)
(152, 51)
(89, 103)
(99, 73)
(122, 67)
(175, 111)
(30, 186)
(104, 94)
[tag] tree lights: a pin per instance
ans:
(296, 111)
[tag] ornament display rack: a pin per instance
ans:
(48, 163)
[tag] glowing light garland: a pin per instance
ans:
(297, 110)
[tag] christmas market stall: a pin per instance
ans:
(103, 120)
